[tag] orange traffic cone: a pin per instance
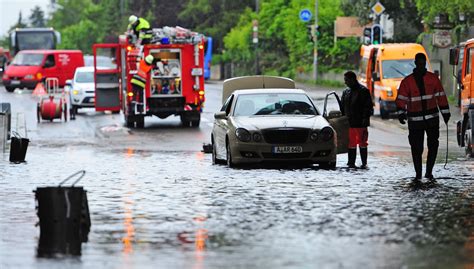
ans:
(39, 89)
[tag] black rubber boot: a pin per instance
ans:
(417, 164)
(363, 157)
(351, 158)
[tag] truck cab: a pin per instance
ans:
(382, 68)
(462, 58)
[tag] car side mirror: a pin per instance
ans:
(375, 76)
(48, 64)
(334, 114)
(69, 82)
(221, 115)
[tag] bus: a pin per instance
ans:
(33, 38)
(208, 58)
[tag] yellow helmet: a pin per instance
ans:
(132, 19)
(149, 59)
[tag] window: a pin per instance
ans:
(470, 52)
(274, 104)
(49, 61)
(363, 67)
(397, 68)
(28, 59)
(227, 105)
(85, 77)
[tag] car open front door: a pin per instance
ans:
(107, 77)
(339, 122)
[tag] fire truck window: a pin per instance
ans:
(49, 61)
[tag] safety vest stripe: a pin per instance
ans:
(440, 94)
(139, 78)
(421, 118)
(137, 82)
(402, 97)
(445, 111)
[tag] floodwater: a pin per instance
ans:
(174, 209)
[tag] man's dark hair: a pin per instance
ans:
(350, 75)
(420, 56)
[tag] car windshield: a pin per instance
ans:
(85, 77)
(28, 59)
(397, 68)
(274, 104)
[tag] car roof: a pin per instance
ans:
(88, 68)
(255, 82)
(267, 90)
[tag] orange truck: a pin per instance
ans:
(462, 56)
(382, 68)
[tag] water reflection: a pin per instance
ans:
(128, 239)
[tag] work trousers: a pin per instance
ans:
(416, 139)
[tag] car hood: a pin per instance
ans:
(267, 122)
(84, 86)
(21, 71)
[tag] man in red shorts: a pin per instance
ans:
(358, 107)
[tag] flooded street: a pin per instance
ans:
(156, 201)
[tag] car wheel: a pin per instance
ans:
(184, 121)
(383, 113)
(141, 122)
(38, 113)
(9, 89)
(230, 163)
(327, 165)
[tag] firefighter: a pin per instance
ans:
(356, 104)
(141, 29)
(139, 80)
(420, 99)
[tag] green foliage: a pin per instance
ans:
(37, 17)
(430, 8)
(283, 45)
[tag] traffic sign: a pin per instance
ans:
(378, 8)
(305, 15)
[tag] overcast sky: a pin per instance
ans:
(9, 10)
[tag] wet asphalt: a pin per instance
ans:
(156, 201)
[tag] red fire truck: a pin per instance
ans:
(175, 84)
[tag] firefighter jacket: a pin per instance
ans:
(140, 77)
(419, 96)
(356, 104)
(142, 29)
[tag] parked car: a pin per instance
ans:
(265, 119)
(81, 89)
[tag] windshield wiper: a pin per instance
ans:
(398, 71)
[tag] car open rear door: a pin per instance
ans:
(107, 77)
(339, 122)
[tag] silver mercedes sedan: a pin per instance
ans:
(271, 121)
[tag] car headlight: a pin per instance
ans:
(327, 133)
(76, 92)
(243, 135)
(257, 137)
(314, 136)
(29, 77)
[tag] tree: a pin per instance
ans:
(36, 18)
(19, 24)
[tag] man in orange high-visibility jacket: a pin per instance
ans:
(139, 80)
(420, 99)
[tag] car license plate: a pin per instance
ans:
(15, 82)
(287, 149)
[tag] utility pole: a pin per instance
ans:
(315, 48)
(255, 38)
